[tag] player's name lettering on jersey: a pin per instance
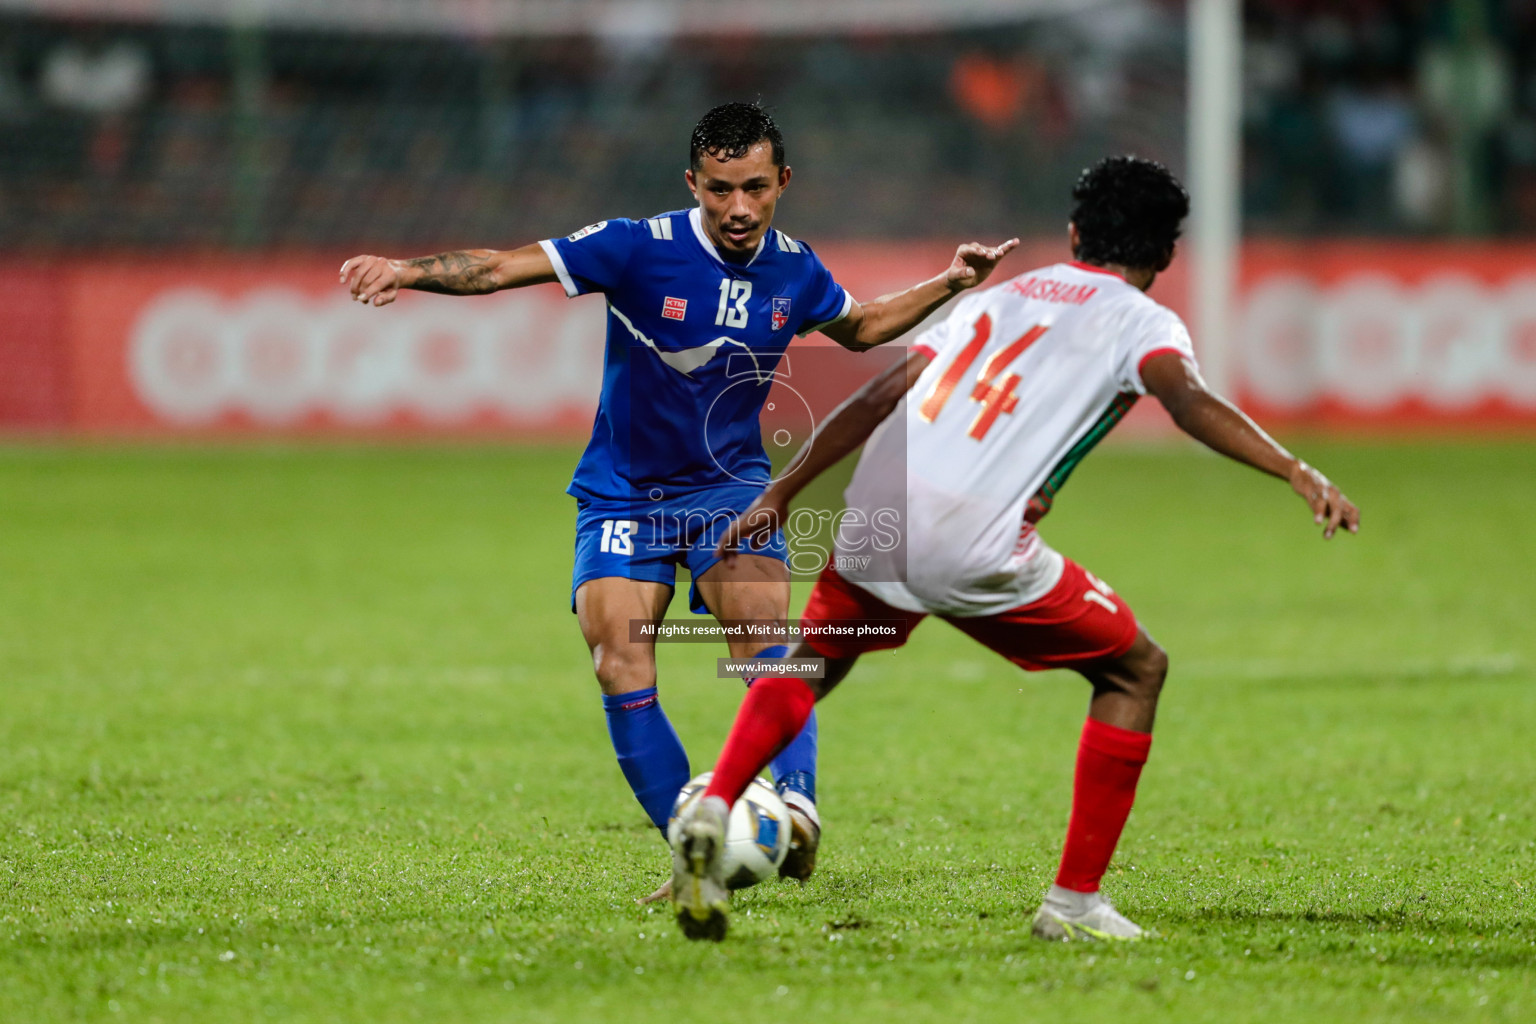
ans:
(1046, 290)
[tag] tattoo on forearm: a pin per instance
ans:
(454, 273)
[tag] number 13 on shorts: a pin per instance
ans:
(618, 537)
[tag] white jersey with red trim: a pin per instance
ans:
(1026, 377)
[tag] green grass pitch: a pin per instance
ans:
(310, 735)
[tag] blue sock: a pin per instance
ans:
(795, 767)
(650, 754)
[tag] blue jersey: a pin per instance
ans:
(693, 341)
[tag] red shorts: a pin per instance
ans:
(1081, 620)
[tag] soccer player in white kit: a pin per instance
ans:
(1003, 399)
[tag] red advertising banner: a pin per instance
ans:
(236, 347)
(1388, 335)
(1337, 334)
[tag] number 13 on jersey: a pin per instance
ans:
(733, 303)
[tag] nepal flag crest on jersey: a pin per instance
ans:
(780, 313)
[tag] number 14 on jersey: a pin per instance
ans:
(995, 398)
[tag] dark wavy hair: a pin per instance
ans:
(1128, 212)
(729, 130)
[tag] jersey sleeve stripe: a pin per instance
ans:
(1159, 352)
(550, 250)
(925, 350)
(847, 308)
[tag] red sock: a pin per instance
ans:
(775, 711)
(1109, 761)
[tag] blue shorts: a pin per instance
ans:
(648, 542)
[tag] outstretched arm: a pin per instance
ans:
(376, 280)
(890, 316)
(848, 427)
(1220, 426)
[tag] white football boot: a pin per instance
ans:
(804, 836)
(698, 879)
(1068, 916)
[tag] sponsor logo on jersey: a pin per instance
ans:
(590, 229)
(780, 313)
(674, 309)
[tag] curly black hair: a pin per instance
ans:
(1128, 210)
(729, 130)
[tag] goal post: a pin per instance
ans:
(1214, 127)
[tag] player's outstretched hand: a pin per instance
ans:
(753, 529)
(374, 280)
(1327, 502)
(974, 263)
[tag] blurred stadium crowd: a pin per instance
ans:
(1390, 116)
(1375, 117)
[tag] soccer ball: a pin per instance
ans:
(756, 836)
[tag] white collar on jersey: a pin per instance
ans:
(709, 247)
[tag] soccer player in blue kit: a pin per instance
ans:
(701, 306)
